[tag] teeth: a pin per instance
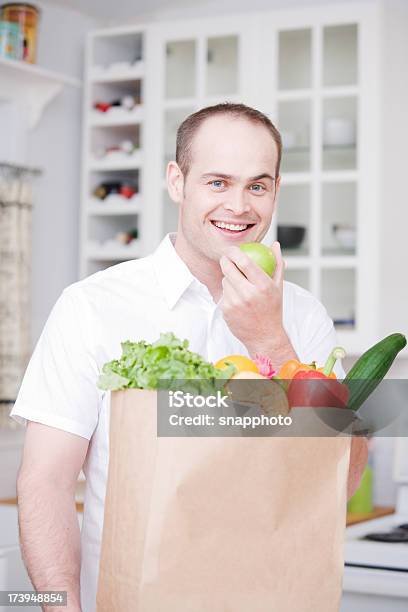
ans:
(230, 226)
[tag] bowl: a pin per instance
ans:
(291, 236)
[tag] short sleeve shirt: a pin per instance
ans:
(134, 300)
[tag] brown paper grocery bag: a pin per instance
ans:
(212, 524)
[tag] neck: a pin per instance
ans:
(206, 270)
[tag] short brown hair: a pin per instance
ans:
(190, 125)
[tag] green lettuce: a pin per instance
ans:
(164, 364)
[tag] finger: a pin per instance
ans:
(280, 264)
(248, 267)
(229, 297)
(235, 276)
(229, 293)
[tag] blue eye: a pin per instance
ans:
(218, 184)
(257, 188)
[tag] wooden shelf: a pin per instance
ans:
(12, 501)
(31, 87)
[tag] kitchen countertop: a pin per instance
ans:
(352, 518)
(12, 501)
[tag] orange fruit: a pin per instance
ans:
(242, 363)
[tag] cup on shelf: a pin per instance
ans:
(339, 132)
(345, 235)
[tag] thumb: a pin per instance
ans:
(280, 263)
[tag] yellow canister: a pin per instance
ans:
(27, 16)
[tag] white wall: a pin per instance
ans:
(394, 209)
(394, 213)
(55, 147)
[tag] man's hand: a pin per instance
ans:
(252, 305)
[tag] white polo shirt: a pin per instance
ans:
(134, 300)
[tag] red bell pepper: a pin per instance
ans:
(314, 388)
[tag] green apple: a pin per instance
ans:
(261, 255)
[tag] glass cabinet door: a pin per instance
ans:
(317, 101)
(339, 127)
(295, 59)
(294, 222)
(339, 218)
(181, 69)
(222, 66)
(294, 111)
(173, 117)
(294, 118)
(340, 62)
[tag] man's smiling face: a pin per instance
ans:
(230, 190)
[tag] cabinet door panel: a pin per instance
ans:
(295, 59)
(340, 133)
(294, 118)
(181, 66)
(222, 65)
(340, 58)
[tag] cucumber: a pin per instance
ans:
(369, 370)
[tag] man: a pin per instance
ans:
(197, 284)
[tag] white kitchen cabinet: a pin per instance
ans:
(317, 73)
(114, 70)
(323, 94)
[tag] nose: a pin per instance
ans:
(238, 202)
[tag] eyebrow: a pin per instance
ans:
(229, 176)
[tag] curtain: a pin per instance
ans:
(15, 262)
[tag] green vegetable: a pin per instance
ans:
(371, 367)
(165, 364)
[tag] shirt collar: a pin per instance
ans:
(172, 273)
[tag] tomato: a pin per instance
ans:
(261, 255)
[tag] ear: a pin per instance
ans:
(175, 182)
(277, 188)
